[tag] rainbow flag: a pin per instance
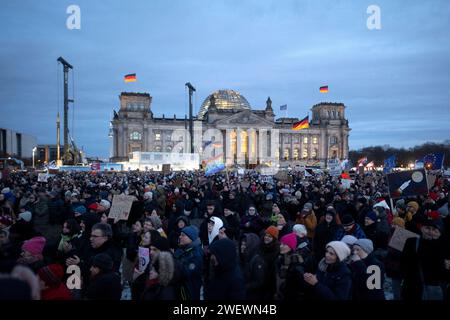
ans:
(323, 89)
(130, 77)
(302, 124)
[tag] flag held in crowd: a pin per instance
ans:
(130, 77)
(283, 107)
(302, 124)
(362, 161)
(433, 161)
(323, 89)
(389, 164)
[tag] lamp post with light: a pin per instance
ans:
(34, 151)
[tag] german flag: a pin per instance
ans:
(302, 124)
(130, 77)
(323, 89)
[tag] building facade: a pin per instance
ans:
(227, 127)
(16, 144)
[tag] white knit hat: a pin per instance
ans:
(341, 249)
(349, 240)
(25, 216)
(105, 204)
(300, 230)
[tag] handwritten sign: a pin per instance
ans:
(120, 208)
(346, 183)
(42, 177)
(165, 169)
(144, 258)
(399, 238)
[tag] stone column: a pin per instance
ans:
(292, 147)
(251, 145)
(228, 147)
(240, 158)
(120, 138)
(262, 145)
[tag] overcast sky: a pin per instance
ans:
(394, 81)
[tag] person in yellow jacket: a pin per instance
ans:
(307, 217)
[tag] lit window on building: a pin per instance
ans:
(305, 153)
(135, 136)
(305, 139)
(296, 154)
(314, 140)
(158, 136)
(286, 154)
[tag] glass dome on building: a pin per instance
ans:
(225, 100)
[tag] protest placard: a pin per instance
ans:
(407, 183)
(399, 238)
(144, 258)
(165, 169)
(121, 206)
(346, 183)
(42, 177)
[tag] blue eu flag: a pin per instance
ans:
(433, 161)
(389, 164)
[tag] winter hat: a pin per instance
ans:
(331, 211)
(156, 222)
(298, 194)
(372, 216)
(94, 206)
(6, 190)
(308, 206)
(300, 230)
(400, 204)
(80, 210)
(25, 216)
(35, 245)
(105, 204)
(103, 261)
(148, 195)
(436, 223)
(160, 243)
(365, 244)
(349, 240)
(191, 232)
(340, 248)
(52, 274)
(347, 220)
(397, 221)
(273, 231)
(290, 240)
(413, 204)
(68, 194)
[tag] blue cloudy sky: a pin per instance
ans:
(394, 81)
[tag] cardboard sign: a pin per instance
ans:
(282, 176)
(144, 258)
(407, 183)
(166, 169)
(346, 183)
(399, 238)
(120, 208)
(42, 177)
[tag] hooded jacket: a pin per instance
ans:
(190, 262)
(254, 267)
(228, 282)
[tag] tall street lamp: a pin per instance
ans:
(34, 151)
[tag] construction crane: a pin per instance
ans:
(71, 155)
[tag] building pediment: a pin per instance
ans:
(244, 119)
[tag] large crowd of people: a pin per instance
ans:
(228, 236)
